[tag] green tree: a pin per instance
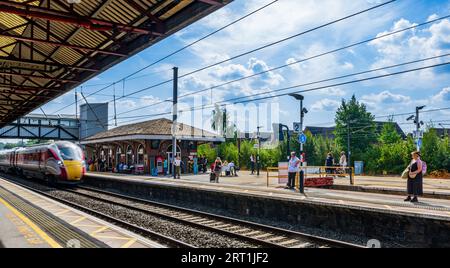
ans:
(391, 151)
(353, 117)
(389, 134)
(371, 164)
(435, 151)
(228, 151)
(207, 151)
(247, 150)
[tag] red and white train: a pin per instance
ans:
(58, 162)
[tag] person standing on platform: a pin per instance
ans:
(294, 164)
(177, 163)
(252, 163)
(329, 162)
(202, 165)
(165, 167)
(415, 178)
(343, 162)
(205, 164)
(217, 169)
(201, 159)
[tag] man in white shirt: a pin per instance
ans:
(343, 162)
(294, 163)
(177, 164)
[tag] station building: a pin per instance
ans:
(146, 145)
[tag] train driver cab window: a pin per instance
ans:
(70, 153)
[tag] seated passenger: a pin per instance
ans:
(226, 168)
(120, 167)
(232, 168)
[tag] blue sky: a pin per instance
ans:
(395, 95)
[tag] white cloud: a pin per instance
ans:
(229, 72)
(333, 91)
(433, 17)
(413, 45)
(348, 66)
(386, 97)
(442, 96)
(326, 105)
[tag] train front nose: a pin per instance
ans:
(74, 170)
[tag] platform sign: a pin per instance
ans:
(302, 138)
(297, 127)
(419, 143)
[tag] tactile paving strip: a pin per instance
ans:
(63, 233)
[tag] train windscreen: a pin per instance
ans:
(70, 153)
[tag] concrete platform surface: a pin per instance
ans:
(249, 184)
(17, 231)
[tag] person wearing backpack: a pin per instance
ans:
(217, 169)
(415, 178)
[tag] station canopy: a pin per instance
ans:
(49, 47)
(158, 129)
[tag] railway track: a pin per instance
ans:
(264, 235)
(168, 241)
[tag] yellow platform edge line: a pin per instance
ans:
(101, 229)
(80, 219)
(33, 226)
(129, 243)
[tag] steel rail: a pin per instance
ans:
(275, 231)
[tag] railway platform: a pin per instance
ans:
(385, 193)
(30, 220)
(381, 216)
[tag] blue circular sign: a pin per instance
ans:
(302, 138)
(419, 142)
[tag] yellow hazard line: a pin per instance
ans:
(129, 243)
(33, 226)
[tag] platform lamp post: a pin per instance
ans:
(175, 120)
(303, 111)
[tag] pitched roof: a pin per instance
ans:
(329, 131)
(442, 132)
(157, 128)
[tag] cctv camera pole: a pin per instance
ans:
(418, 127)
(418, 123)
(175, 119)
(302, 116)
